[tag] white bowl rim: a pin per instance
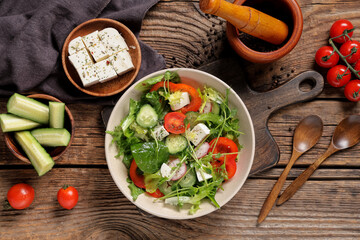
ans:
(108, 141)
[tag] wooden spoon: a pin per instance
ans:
(346, 135)
(307, 134)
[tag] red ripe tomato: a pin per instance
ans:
(326, 57)
(195, 100)
(357, 67)
(20, 196)
(67, 197)
(135, 177)
(352, 50)
(230, 166)
(352, 90)
(224, 145)
(338, 76)
(174, 122)
(338, 29)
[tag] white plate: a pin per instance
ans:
(119, 172)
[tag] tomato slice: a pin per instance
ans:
(156, 194)
(224, 145)
(195, 100)
(230, 166)
(135, 177)
(174, 122)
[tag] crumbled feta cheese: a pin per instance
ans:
(165, 170)
(105, 71)
(80, 59)
(91, 39)
(112, 40)
(88, 75)
(160, 133)
(98, 52)
(198, 133)
(199, 176)
(179, 100)
(75, 45)
(121, 62)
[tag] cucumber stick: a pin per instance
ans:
(11, 123)
(28, 108)
(38, 156)
(52, 137)
(57, 111)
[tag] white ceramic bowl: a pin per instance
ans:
(119, 172)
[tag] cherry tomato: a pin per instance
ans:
(67, 197)
(352, 90)
(230, 166)
(195, 100)
(337, 77)
(135, 177)
(224, 145)
(174, 122)
(357, 67)
(20, 196)
(338, 28)
(326, 57)
(352, 50)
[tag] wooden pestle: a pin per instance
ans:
(248, 20)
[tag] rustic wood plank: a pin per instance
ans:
(320, 209)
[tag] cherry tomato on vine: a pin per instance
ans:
(357, 66)
(352, 90)
(67, 197)
(326, 57)
(338, 29)
(338, 76)
(351, 48)
(20, 196)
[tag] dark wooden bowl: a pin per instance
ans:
(55, 152)
(116, 85)
(295, 25)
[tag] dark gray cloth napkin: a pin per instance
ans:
(32, 33)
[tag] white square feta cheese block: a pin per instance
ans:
(75, 45)
(113, 40)
(91, 39)
(198, 133)
(107, 33)
(165, 170)
(179, 100)
(160, 133)
(200, 177)
(88, 75)
(121, 62)
(105, 71)
(98, 52)
(80, 59)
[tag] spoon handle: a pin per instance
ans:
(271, 199)
(303, 177)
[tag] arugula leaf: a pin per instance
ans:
(155, 101)
(135, 191)
(168, 76)
(172, 77)
(211, 117)
(149, 156)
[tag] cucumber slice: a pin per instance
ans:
(11, 123)
(189, 179)
(52, 137)
(175, 143)
(57, 112)
(215, 108)
(165, 188)
(147, 116)
(38, 156)
(28, 108)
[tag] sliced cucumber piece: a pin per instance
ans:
(189, 179)
(57, 113)
(175, 143)
(215, 108)
(52, 137)
(147, 116)
(38, 156)
(165, 188)
(191, 117)
(28, 108)
(11, 123)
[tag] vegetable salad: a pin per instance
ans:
(179, 143)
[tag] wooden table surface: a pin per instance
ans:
(327, 206)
